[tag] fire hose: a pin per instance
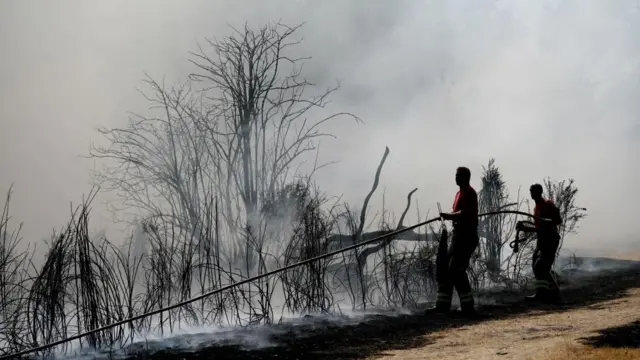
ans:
(257, 277)
(515, 244)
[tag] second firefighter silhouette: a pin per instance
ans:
(546, 224)
(464, 241)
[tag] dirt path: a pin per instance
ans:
(537, 335)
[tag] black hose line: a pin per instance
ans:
(245, 281)
(515, 244)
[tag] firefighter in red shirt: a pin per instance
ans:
(546, 228)
(464, 242)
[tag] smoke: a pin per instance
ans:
(548, 88)
(518, 81)
(189, 339)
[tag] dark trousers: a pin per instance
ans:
(463, 245)
(543, 258)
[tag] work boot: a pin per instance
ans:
(537, 297)
(443, 303)
(468, 311)
(438, 309)
(552, 298)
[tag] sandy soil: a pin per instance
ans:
(538, 335)
(598, 320)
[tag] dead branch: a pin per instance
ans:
(374, 249)
(376, 180)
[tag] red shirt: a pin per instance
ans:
(547, 209)
(467, 201)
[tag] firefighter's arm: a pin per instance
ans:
(452, 215)
(471, 210)
(525, 226)
(556, 217)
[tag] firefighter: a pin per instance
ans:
(546, 228)
(464, 242)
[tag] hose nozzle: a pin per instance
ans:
(516, 242)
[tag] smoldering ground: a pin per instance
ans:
(365, 331)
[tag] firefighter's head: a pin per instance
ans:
(463, 176)
(536, 192)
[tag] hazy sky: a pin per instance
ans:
(548, 88)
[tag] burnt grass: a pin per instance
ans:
(379, 333)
